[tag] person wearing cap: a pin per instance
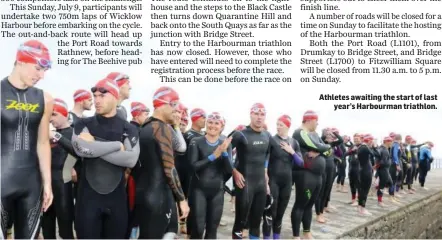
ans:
(63, 160)
(365, 152)
(412, 148)
(123, 83)
(210, 158)
(198, 118)
(107, 145)
(251, 186)
(395, 169)
(158, 185)
(383, 170)
(184, 120)
(82, 102)
(425, 160)
(308, 180)
(353, 169)
(342, 165)
(26, 151)
(139, 112)
(285, 155)
(331, 137)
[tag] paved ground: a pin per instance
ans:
(346, 216)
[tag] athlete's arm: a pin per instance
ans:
(88, 149)
(65, 142)
(312, 144)
(196, 162)
(163, 135)
(416, 146)
(227, 158)
(179, 144)
(337, 142)
(127, 158)
(238, 138)
(43, 145)
(364, 152)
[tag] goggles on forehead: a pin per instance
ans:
(32, 52)
(258, 110)
(215, 117)
(121, 77)
(198, 114)
(99, 89)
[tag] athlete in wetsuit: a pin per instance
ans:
(395, 167)
(158, 185)
(283, 150)
(342, 165)
(415, 159)
(250, 173)
(63, 161)
(425, 159)
(210, 158)
(365, 153)
(308, 180)
(198, 118)
(82, 102)
(184, 121)
(123, 83)
(332, 138)
(139, 113)
(412, 150)
(108, 145)
(353, 169)
(383, 169)
(25, 148)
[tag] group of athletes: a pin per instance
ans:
(106, 177)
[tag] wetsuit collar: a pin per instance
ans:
(135, 123)
(200, 132)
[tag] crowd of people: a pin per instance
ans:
(154, 177)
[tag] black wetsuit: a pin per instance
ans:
(121, 112)
(101, 208)
(206, 194)
(21, 190)
(395, 153)
(185, 173)
(73, 118)
(383, 171)
(134, 174)
(414, 161)
(342, 165)
(62, 208)
(327, 178)
(158, 185)
(252, 154)
(280, 182)
(353, 170)
(365, 153)
(308, 180)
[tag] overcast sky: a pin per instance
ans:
(235, 99)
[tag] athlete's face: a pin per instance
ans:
(30, 73)
(177, 116)
(257, 119)
(183, 126)
(213, 128)
(168, 111)
(104, 103)
(388, 144)
(357, 140)
(58, 120)
(281, 128)
(125, 90)
(142, 117)
(201, 122)
(311, 125)
(87, 104)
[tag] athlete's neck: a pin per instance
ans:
(212, 138)
(283, 135)
(158, 115)
(78, 110)
(256, 129)
(110, 114)
(65, 125)
(120, 100)
(196, 128)
(14, 80)
(305, 127)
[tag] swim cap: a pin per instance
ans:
(408, 138)
(181, 107)
(286, 120)
(388, 139)
(60, 107)
(119, 78)
(216, 116)
(136, 108)
(34, 52)
(392, 134)
(240, 127)
(81, 95)
(309, 115)
(164, 95)
(367, 138)
(197, 113)
(106, 86)
(257, 108)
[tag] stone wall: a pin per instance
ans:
(420, 220)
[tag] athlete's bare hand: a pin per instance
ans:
(184, 207)
(47, 196)
(239, 179)
(87, 137)
(74, 175)
(225, 145)
(51, 134)
(286, 147)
